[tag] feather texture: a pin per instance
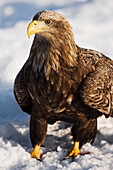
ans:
(61, 81)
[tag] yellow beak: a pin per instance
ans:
(33, 28)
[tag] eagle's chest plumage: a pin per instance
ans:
(52, 94)
(49, 89)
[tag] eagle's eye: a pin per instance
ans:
(47, 21)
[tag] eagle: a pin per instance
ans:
(61, 81)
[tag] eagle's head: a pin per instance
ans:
(53, 36)
(49, 23)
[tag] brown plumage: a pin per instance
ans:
(61, 81)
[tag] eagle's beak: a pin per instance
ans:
(34, 27)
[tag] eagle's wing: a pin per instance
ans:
(21, 94)
(96, 89)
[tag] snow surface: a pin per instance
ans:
(92, 22)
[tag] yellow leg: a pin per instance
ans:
(36, 152)
(75, 151)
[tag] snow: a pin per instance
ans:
(92, 22)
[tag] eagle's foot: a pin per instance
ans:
(75, 151)
(36, 152)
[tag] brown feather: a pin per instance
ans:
(61, 81)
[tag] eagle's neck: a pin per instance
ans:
(64, 50)
(39, 53)
(53, 53)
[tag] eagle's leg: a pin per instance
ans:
(83, 132)
(38, 129)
